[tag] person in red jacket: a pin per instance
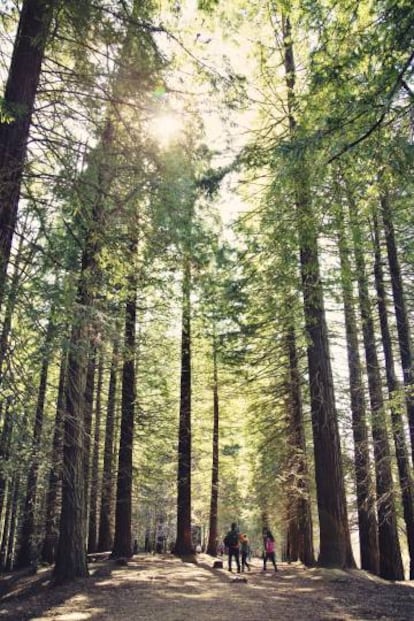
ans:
(269, 553)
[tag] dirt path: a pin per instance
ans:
(163, 588)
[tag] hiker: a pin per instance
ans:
(231, 541)
(269, 549)
(245, 551)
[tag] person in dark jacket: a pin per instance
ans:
(232, 543)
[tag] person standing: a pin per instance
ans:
(232, 542)
(245, 551)
(269, 553)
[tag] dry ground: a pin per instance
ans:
(164, 588)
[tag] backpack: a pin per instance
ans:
(270, 546)
(231, 540)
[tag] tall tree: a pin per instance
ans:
(17, 109)
(367, 521)
(394, 389)
(28, 552)
(300, 523)
(71, 553)
(391, 567)
(335, 544)
(183, 543)
(400, 306)
(123, 512)
(94, 487)
(105, 536)
(55, 473)
(213, 522)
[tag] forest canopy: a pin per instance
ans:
(206, 289)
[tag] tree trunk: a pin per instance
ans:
(394, 388)
(55, 474)
(10, 304)
(403, 325)
(93, 505)
(14, 511)
(19, 97)
(5, 443)
(89, 392)
(335, 543)
(389, 546)
(105, 538)
(367, 521)
(7, 523)
(183, 545)
(71, 555)
(28, 552)
(300, 523)
(213, 534)
(123, 511)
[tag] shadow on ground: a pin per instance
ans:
(165, 588)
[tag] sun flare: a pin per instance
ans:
(165, 128)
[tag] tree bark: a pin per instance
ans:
(367, 521)
(403, 325)
(71, 554)
(123, 511)
(89, 394)
(300, 523)
(335, 543)
(28, 552)
(10, 304)
(389, 546)
(394, 388)
(5, 444)
(7, 523)
(213, 534)
(105, 538)
(183, 545)
(55, 474)
(93, 504)
(19, 97)
(14, 517)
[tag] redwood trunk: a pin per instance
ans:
(403, 325)
(123, 512)
(389, 546)
(403, 462)
(55, 474)
(28, 552)
(93, 505)
(88, 414)
(5, 444)
(367, 521)
(105, 538)
(335, 543)
(183, 544)
(71, 555)
(300, 537)
(19, 97)
(213, 534)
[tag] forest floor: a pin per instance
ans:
(165, 588)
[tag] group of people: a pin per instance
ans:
(237, 545)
